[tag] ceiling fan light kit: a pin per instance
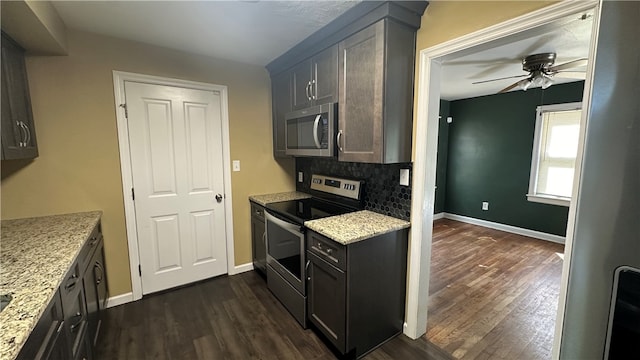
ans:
(541, 72)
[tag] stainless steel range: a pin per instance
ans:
(286, 253)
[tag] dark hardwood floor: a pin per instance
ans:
(493, 295)
(229, 317)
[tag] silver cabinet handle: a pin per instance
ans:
(306, 90)
(313, 90)
(28, 131)
(310, 91)
(23, 134)
(306, 270)
(316, 122)
(338, 140)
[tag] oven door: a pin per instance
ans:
(286, 250)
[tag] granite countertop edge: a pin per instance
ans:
(351, 227)
(15, 332)
(264, 199)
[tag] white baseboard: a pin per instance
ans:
(508, 228)
(438, 216)
(120, 299)
(241, 268)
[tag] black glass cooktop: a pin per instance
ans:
(303, 210)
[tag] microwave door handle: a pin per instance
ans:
(316, 122)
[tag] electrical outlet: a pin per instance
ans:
(236, 165)
(404, 177)
(485, 205)
(300, 176)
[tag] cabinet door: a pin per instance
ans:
(100, 278)
(326, 300)
(361, 95)
(258, 237)
(91, 297)
(301, 85)
(17, 119)
(281, 103)
(325, 76)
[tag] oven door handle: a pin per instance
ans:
(294, 228)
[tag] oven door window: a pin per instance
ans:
(284, 247)
(308, 132)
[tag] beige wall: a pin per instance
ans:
(78, 168)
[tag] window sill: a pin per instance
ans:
(547, 199)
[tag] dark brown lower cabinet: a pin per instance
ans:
(48, 339)
(258, 238)
(356, 292)
(70, 326)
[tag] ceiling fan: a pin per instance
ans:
(541, 72)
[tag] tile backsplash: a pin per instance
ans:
(382, 190)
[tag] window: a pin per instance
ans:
(555, 149)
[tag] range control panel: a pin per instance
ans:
(337, 186)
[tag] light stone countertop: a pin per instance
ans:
(35, 255)
(356, 226)
(283, 196)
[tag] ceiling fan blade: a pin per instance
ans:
(571, 75)
(515, 84)
(569, 65)
(504, 78)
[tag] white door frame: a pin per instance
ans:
(119, 78)
(425, 156)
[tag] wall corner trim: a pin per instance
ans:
(239, 269)
(508, 228)
(120, 299)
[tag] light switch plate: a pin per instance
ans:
(485, 205)
(236, 165)
(404, 177)
(300, 176)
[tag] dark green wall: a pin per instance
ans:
(489, 158)
(443, 149)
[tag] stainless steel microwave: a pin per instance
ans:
(310, 132)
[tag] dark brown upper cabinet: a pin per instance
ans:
(18, 132)
(375, 107)
(315, 80)
(281, 105)
(364, 60)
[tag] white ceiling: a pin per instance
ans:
(253, 31)
(569, 38)
(258, 31)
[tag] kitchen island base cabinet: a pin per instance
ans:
(356, 292)
(70, 325)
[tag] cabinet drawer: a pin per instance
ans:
(75, 320)
(257, 211)
(71, 283)
(89, 248)
(327, 249)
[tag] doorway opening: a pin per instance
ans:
(433, 62)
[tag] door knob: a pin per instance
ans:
(219, 198)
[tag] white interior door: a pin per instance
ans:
(175, 137)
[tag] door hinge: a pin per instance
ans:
(126, 111)
(140, 270)
(133, 194)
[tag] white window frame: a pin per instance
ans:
(532, 195)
